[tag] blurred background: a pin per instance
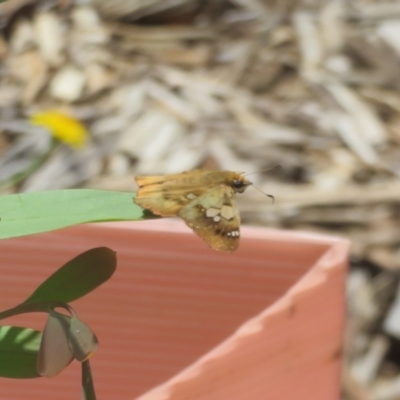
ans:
(93, 93)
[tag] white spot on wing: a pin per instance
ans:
(233, 234)
(217, 218)
(227, 212)
(191, 196)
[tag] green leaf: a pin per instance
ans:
(82, 340)
(55, 353)
(77, 277)
(28, 213)
(18, 352)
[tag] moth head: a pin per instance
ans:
(239, 183)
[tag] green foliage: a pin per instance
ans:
(29, 213)
(26, 353)
(19, 347)
(18, 352)
(77, 277)
(54, 353)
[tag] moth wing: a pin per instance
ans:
(165, 195)
(215, 217)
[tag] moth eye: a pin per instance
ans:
(237, 184)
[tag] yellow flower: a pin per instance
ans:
(62, 127)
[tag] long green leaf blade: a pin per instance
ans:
(29, 213)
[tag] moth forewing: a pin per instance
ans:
(165, 195)
(150, 197)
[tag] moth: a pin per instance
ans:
(205, 200)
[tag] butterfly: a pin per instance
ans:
(205, 200)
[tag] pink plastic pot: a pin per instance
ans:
(180, 321)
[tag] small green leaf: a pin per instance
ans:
(77, 277)
(18, 352)
(55, 353)
(82, 340)
(28, 213)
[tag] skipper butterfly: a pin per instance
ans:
(205, 200)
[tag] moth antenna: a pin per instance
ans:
(263, 170)
(265, 194)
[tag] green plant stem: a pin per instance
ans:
(35, 307)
